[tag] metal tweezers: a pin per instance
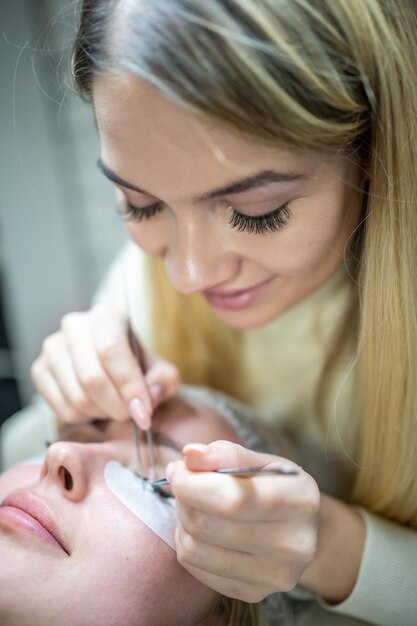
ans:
(140, 356)
(151, 450)
(241, 472)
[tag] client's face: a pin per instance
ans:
(104, 566)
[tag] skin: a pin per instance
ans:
(262, 537)
(87, 368)
(176, 157)
(99, 582)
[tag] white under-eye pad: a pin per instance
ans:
(158, 513)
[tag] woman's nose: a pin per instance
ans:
(197, 258)
(67, 465)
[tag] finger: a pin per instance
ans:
(230, 588)
(163, 379)
(260, 538)
(285, 539)
(227, 564)
(61, 368)
(49, 390)
(111, 341)
(92, 377)
(259, 498)
(224, 454)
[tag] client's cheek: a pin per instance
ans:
(156, 512)
(22, 476)
(143, 567)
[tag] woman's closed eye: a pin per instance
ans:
(269, 222)
(260, 224)
(131, 213)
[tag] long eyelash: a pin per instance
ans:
(100, 424)
(155, 488)
(260, 224)
(138, 214)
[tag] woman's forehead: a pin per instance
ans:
(134, 118)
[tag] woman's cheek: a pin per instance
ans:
(22, 476)
(150, 235)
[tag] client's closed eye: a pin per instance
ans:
(167, 449)
(93, 431)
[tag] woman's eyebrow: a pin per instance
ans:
(116, 179)
(245, 184)
(252, 182)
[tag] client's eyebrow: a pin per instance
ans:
(164, 440)
(239, 186)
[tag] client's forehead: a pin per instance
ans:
(179, 408)
(193, 421)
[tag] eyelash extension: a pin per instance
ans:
(260, 224)
(139, 214)
(157, 489)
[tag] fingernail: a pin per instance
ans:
(139, 413)
(195, 448)
(155, 392)
(290, 469)
(169, 470)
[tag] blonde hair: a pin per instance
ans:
(319, 74)
(240, 613)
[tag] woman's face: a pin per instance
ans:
(108, 567)
(254, 228)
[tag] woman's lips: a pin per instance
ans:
(237, 299)
(23, 510)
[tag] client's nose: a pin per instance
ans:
(66, 465)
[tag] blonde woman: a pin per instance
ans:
(265, 164)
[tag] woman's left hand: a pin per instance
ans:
(243, 537)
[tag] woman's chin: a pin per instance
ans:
(246, 319)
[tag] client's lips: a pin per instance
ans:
(30, 513)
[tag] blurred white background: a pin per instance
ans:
(58, 225)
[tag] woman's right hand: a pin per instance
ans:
(88, 370)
